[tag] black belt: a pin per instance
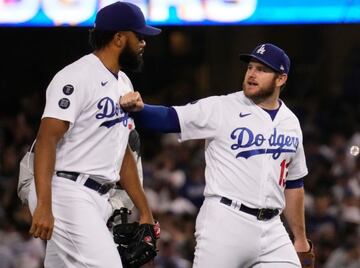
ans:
(90, 183)
(262, 214)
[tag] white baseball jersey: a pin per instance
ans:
(248, 156)
(86, 94)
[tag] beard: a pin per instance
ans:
(131, 61)
(262, 93)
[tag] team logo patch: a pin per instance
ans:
(68, 89)
(64, 103)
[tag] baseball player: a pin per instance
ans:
(81, 149)
(255, 163)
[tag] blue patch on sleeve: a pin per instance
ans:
(157, 118)
(295, 184)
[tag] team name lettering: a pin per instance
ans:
(109, 109)
(277, 143)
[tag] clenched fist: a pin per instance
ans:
(132, 102)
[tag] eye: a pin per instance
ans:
(139, 36)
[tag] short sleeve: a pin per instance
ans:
(65, 97)
(297, 167)
(200, 119)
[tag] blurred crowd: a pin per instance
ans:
(174, 183)
(174, 173)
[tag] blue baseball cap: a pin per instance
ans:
(123, 16)
(270, 55)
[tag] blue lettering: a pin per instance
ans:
(106, 107)
(259, 139)
(245, 138)
(109, 109)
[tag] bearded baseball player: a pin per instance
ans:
(255, 165)
(81, 150)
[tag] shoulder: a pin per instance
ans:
(126, 80)
(75, 78)
(221, 101)
(289, 115)
(235, 99)
(80, 70)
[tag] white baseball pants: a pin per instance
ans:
(80, 238)
(228, 237)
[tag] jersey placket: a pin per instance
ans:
(266, 180)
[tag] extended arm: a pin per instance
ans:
(294, 214)
(129, 180)
(50, 132)
(157, 118)
(152, 117)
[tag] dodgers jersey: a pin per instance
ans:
(248, 156)
(86, 94)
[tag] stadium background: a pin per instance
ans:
(181, 65)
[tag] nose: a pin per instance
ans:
(251, 72)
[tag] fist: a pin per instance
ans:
(132, 102)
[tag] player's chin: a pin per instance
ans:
(251, 91)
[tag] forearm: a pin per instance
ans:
(44, 161)
(50, 132)
(294, 212)
(157, 118)
(129, 180)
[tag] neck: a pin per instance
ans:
(109, 59)
(270, 103)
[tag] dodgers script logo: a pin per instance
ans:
(108, 109)
(278, 143)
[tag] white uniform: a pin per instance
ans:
(249, 158)
(86, 94)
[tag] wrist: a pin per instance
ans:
(146, 218)
(302, 245)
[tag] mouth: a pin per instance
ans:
(252, 83)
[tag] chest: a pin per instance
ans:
(103, 106)
(247, 133)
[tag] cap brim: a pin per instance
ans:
(148, 30)
(247, 58)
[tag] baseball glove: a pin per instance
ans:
(307, 259)
(137, 243)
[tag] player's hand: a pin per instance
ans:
(302, 245)
(132, 102)
(42, 223)
(306, 253)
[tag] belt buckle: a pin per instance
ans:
(264, 214)
(104, 188)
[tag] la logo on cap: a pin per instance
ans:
(261, 50)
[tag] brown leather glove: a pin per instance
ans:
(307, 259)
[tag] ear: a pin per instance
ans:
(119, 40)
(281, 80)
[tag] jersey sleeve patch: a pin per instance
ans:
(64, 103)
(68, 89)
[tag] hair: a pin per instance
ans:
(99, 39)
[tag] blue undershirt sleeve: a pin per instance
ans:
(157, 118)
(294, 184)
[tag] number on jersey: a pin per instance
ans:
(283, 172)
